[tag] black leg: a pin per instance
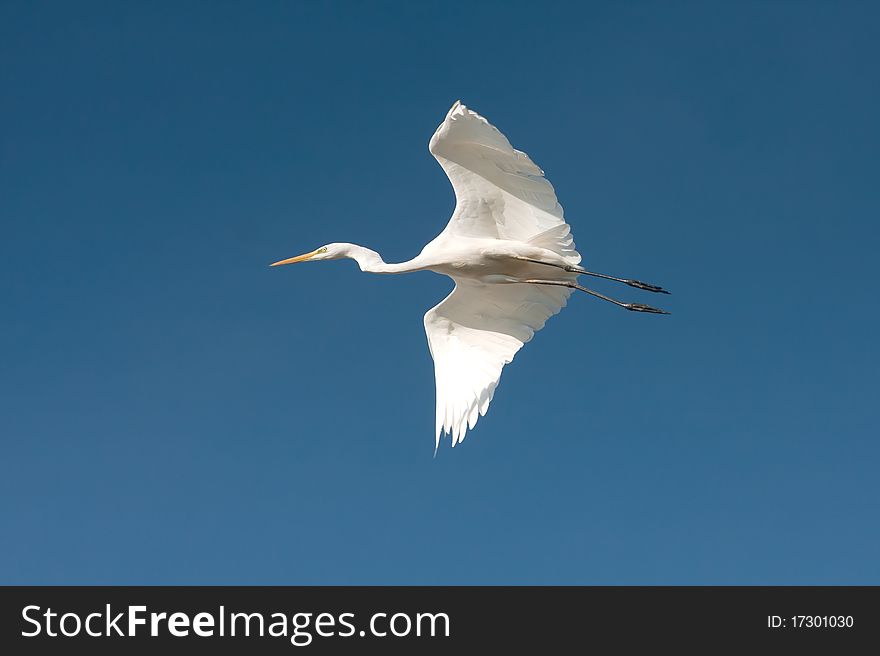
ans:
(634, 307)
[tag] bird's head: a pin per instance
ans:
(328, 252)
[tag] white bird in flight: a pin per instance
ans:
(510, 253)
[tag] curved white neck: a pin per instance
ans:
(371, 262)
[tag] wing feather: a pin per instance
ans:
(500, 192)
(472, 334)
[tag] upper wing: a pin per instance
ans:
(472, 334)
(500, 193)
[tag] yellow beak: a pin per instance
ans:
(294, 260)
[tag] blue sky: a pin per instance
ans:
(174, 411)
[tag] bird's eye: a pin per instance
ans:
(323, 249)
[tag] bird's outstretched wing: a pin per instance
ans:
(500, 193)
(472, 334)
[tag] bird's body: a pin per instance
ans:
(510, 253)
(488, 260)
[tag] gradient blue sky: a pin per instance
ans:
(174, 411)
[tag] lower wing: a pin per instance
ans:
(472, 334)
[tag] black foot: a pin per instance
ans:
(638, 307)
(643, 285)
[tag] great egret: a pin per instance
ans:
(510, 253)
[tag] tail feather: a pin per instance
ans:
(559, 240)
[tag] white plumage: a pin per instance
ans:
(500, 194)
(510, 253)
